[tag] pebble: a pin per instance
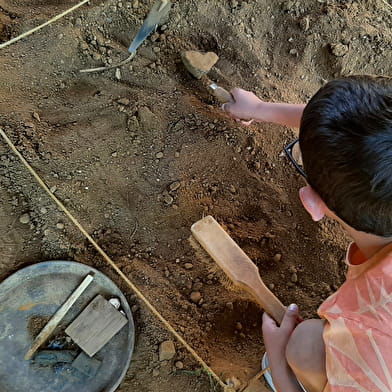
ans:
(271, 286)
(168, 199)
(60, 226)
(159, 155)
(304, 23)
(78, 22)
(179, 365)
(230, 306)
(238, 326)
(233, 382)
(115, 302)
(195, 296)
(174, 186)
(197, 286)
(294, 277)
(293, 52)
(197, 63)
(188, 266)
(123, 101)
(117, 74)
(167, 350)
(25, 218)
(339, 50)
(155, 372)
(277, 257)
(36, 116)
(43, 210)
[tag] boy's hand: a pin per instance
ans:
(276, 338)
(247, 106)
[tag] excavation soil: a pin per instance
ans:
(139, 154)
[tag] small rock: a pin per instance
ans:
(174, 186)
(117, 74)
(304, 23)
(277, 257)
(197, 63)
(271, 286)
(197, 286)
(155, 372)
(78, 22)
(123, 101)
(43, 210)
(294, 277)
(166, 350)
(233, 189)
(36, 116)
(177, 154)
(238, 326)
(188, 266)
(293, 52)
(97, 56)
(159, 155)
(168, 199)
(230, 306)
(179, 365)
(135, 4)
(195, 296)
(233, 382)
(115, 302)
(339, 50)
(25, 218)
(60, 226)
(29, 124)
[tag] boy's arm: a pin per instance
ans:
(275, 340)
(248, 106)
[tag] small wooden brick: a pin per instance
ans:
(96, 325)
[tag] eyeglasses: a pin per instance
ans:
(293, 151)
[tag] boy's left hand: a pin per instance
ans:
(275, 337)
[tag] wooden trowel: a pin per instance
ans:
(236, 264)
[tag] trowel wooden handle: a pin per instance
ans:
(221, 94)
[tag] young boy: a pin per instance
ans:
(346, 145)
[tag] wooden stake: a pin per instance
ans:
(58, 316)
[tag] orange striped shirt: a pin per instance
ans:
(358, 332)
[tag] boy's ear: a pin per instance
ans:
(313, 203)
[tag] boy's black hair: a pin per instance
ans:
(346, 145)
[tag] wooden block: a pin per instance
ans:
(86, 365)
(96, 325)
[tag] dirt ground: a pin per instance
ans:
(140, 155)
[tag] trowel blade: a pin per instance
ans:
(158, 13)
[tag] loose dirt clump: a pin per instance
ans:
(140, 154)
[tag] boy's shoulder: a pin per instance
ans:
(367, 292)
(358, 332)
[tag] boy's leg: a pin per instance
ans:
(305, 354)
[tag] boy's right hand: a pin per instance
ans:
(247, 106)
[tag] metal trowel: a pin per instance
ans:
(156, 16)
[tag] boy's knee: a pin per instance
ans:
(305, 350)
